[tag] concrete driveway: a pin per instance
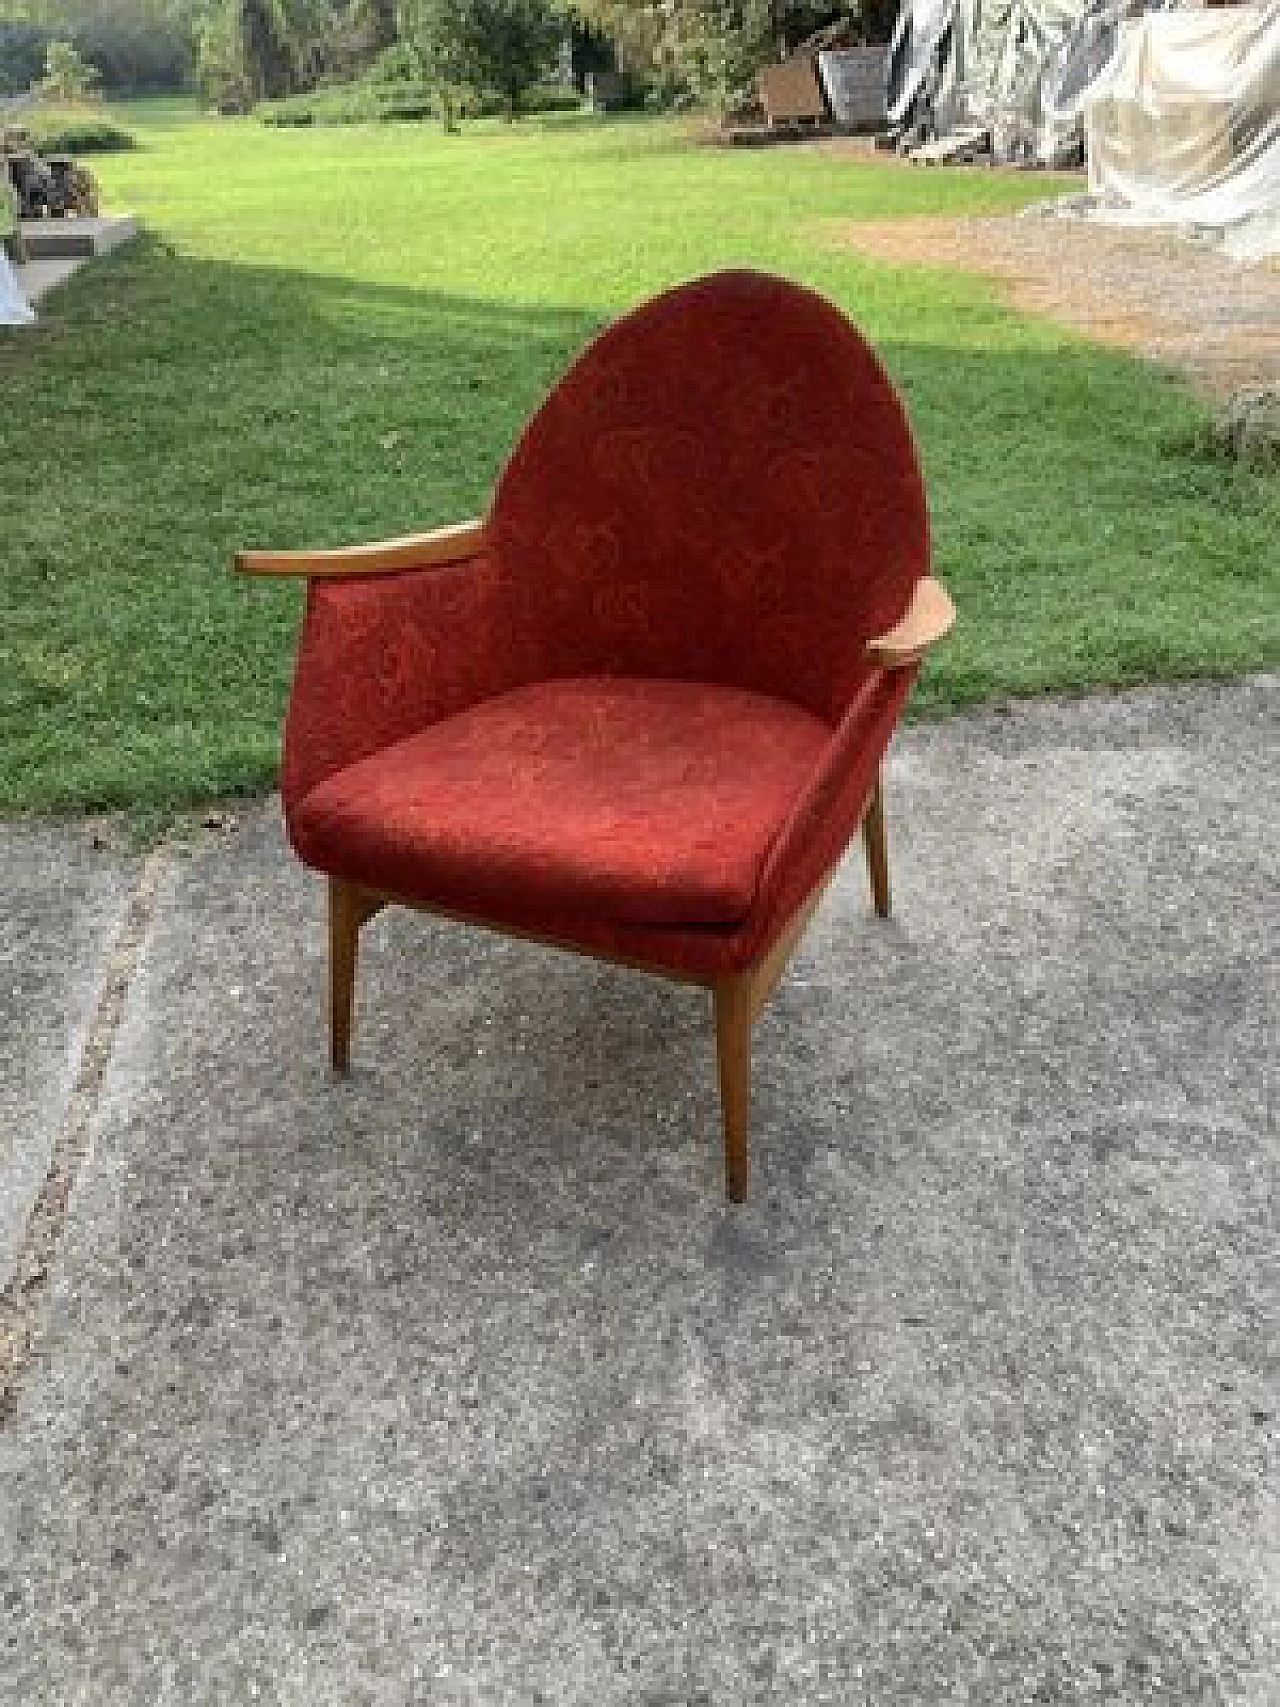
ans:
(459, 1383)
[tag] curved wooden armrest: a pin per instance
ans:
(453, 544)
(930, 615)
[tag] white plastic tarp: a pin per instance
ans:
(15, 310)
(920, 55)
(1013, 48)
(1183, 125)
(1082, 56)
(978, 62)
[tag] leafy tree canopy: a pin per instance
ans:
(505, 45)
(67, 75)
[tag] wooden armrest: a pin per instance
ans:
(930, 615)
(451, 544)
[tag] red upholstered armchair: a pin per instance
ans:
(639, 709)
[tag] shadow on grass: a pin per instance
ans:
(205, 407)
(169, 409)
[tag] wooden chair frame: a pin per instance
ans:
(739, 996)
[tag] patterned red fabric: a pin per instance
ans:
(822, 821)
(383, 657)
(722, 488)
(721, 493)
(651, 802)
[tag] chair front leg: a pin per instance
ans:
(735, 999)
(877, 850)
(346, 915)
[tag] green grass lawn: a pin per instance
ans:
(330, 335)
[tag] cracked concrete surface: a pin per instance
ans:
(62, 1150)
(459, 1383)
(64, 902)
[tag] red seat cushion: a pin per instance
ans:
(642, 801)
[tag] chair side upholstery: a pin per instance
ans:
(382, 657)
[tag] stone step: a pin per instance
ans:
(35, 278)
(62, 239)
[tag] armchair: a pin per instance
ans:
(638, 709)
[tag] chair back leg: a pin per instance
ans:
(345, 917)
(873, 840)
(735, 1010)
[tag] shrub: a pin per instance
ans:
(542, 98)
(69, 133)
(350, 103)
(409, 101)
(370, 102)
(505, 45)
(395, 64)
(719, 50)
(68, 75)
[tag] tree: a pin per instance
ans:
(377, 22)
(135, 44)
(355, 35)
(22, 51)
(264, 45)
(503, 45)
(712, 49)
(154, 44)
(221, 75)
(67, 77)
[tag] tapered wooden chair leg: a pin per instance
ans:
(873, 839)
(345, 917)
(733, 1049)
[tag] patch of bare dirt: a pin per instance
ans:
(1174, 301)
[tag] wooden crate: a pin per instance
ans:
(789, 92)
